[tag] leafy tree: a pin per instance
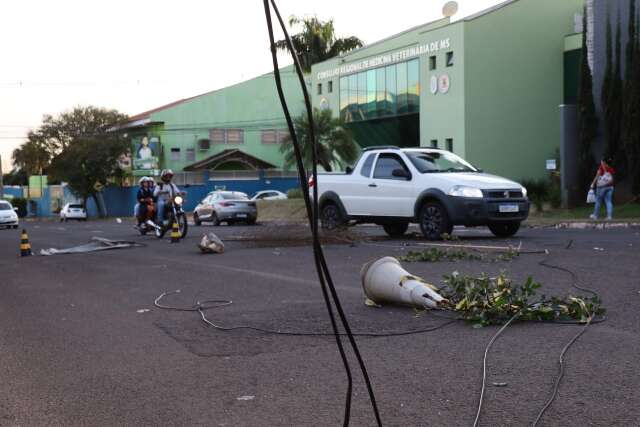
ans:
(57, 133)
(631, 102)
(88, 162)
(32, 157)
(16, 176)
(317, 41)
(588, 120)
(611, 98)
(335, 144)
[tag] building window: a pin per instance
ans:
(235, 136)
(319, 88)
(449, 59)
(218, 136)
(381, 92)
(227, 136)
(330, 86)
(449, 143)
(434, 143)
(204, 144)
(433, 64)
(282, 135)
(175, 154)
(268, 136)
(191, 155)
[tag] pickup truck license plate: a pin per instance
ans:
(241, 215)
(508, 208)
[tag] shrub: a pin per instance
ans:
(537, 191)
(294, 193)
(21, 204)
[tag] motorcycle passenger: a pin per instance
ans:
(164, 192)
(145, 200)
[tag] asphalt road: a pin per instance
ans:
(76, 351)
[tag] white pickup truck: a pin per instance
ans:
(436, 189)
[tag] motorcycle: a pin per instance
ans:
(173, 212)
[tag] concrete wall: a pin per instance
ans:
(514, 85)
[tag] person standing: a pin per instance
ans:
(603, 185)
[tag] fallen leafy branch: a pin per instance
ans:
(451, 254)
(488, 300)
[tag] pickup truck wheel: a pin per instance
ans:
(504, 229)
(396, 230)
(331, 217)
(434, 221)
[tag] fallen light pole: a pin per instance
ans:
(385, 281)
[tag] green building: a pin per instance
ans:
(232, 133)
(487, 87)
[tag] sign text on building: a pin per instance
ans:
(390, 58)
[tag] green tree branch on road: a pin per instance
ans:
(317, 41)
(335, 144)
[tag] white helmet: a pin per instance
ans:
(143, 180)
(166, 172)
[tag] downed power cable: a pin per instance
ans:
(203, 306)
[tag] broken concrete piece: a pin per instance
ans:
(211, 244)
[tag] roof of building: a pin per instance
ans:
(229, 155)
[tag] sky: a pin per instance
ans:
(137, 55)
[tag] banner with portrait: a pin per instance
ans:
(146, 154)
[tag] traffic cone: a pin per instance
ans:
(175, 232)
(25, 246)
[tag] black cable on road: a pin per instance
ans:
(556, 386)
(202, 306)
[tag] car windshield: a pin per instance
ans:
(438, 162)
(234, 196)
(4, 206)
(75, 206)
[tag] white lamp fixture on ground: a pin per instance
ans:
(385, 281)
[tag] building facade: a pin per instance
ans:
(487, 87)
(232, 133)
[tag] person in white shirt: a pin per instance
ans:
(164, 192)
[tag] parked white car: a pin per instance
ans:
(269, 195)
(73, 211)
(8, 215)
(436, 189)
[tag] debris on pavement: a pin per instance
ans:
(95, 244)
(385, 280)
(143, 310)
(246, 398)
(211, 244)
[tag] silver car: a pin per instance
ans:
(226, 206)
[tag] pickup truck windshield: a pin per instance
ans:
(438, 162)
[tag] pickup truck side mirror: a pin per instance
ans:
(401, 173)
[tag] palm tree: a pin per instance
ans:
(317, 41)
(335, 144)
(31, 157)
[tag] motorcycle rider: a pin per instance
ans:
(145, 199)
(164, 192)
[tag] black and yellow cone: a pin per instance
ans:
(25, 246)
(175, 232)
